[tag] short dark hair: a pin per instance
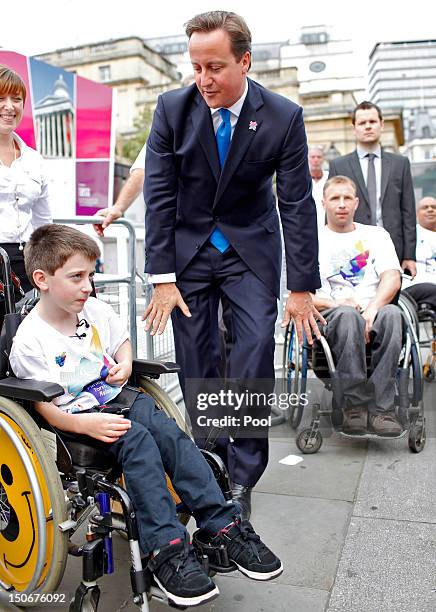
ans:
(366, 105)
(233, 24)
(11, 83)
(51, 245)
(339, 179)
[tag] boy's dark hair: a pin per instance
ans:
(49, 247)
(233, 24)
(366, 105)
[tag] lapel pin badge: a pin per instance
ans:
(253, 126)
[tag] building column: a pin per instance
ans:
(60, 136)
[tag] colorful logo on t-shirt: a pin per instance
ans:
(89, 374)
(60, 359)
(351, 269)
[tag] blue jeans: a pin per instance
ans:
(152, 446)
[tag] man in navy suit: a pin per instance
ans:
(212, 226)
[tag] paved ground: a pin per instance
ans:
(355, 527)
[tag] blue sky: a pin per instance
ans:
(53, 24)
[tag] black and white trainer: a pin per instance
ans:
(180, 576)
(248, 552)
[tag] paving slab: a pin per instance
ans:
(332, 473)
(398, 484)
(250, 596)
(306, 533)
(386, 566)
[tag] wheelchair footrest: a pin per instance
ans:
(217, 555)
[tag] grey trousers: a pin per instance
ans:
(345, 334)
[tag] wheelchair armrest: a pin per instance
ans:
(152, 368)
(33, 390)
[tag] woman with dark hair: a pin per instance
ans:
(24, 202)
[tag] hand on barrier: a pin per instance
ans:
(166, 296)
(111, 214)
(299, 306)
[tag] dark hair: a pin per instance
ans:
(366, 105)
(49, 247)
(233, 24)
(339, 180)
(11, 83)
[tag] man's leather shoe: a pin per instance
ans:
(242, 495)
(385, 424)
(355, 421)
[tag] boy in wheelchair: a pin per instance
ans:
(360, 276)
(78, 342)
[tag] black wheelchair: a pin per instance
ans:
(302, 361)
(52, 483)
(423, 316)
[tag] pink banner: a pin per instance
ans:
(92, 186)
(18, 62)
(94, 110)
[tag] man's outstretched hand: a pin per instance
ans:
(299, 306)
(166, 296)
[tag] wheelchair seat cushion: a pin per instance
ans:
(88, 452)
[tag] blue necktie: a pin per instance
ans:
(223, 137)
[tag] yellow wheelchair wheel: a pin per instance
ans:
(33, 550)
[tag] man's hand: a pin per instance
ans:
(104, 427)
(119, 374)
(369, 314)
(299, 306)
(409, 264)
(111, 214)
(166, 296)
(350, 301)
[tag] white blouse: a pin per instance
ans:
(24, 200)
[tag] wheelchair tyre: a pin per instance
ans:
(309, 442)
(164, 402)
(18, 575)
(417, 436)
(294, 373)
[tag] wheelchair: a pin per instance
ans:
(423, 316)
(299, 361)
(52, 483)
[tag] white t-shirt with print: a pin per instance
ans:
(41, 352)
(425, 257)
(351, 263)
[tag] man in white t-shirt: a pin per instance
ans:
(360, 275)
(128, 194)
(423, 286)
(319, 177)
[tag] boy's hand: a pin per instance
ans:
(119, 373)
(104, 427)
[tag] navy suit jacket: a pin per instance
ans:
(187, 194)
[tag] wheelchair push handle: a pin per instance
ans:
(8, 287)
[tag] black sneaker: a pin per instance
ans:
(248, 552)
(180, 576)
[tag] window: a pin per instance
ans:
(104, 72)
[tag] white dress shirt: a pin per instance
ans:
(235, 111)
(24, 201)
(317, 195)
(377, 164)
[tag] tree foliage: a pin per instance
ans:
(142, 124)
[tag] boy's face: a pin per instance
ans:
(70, 286)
